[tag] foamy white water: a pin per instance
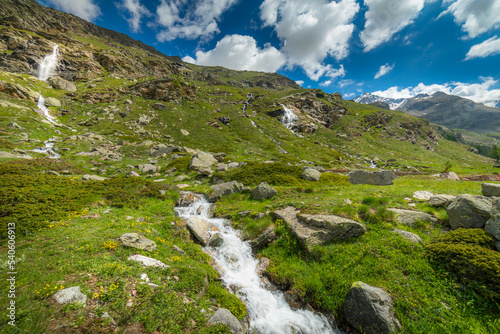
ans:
(48, 149)
(45, 110)
(269, 312)
(48, 65)
(289, 118)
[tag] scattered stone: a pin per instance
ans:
(468, 211)
(216, 241)
(225, 189)
(263, 240)
(450, 176)
(170, 170)
(52, 102)
(70, 295)
(369, 310)
(4, 154)
(137, 241)
(182, 186)
(14, 125)
(88, 177)
(202, 160)
(408, 235)
(410, 217)
(159, 106)
(493, 224)
(221, 167)
(52, 172)
(312, 230)
(60, 83)
(179, 250)
(232, 165)
(205, 172)
(263, 191)
(440, 200)
(199, 229)
(91, 216)
(133, 174)
(224, 316)
(148, 168)
(490, 189)
(147, 261)
(379, 178)
(144, 120)
(311, 174)
(184, 132)
(423, 195)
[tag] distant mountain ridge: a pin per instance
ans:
(443, 109)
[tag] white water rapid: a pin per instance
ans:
(48, 149)
(269, 312)
(289, 118)
(48, 65)
(45, 110)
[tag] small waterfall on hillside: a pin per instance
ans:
(269, 312)
(45, 110)
(289, 118)
(48, 64)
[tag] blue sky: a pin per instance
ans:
(394, 48)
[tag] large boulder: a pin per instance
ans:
(311, 174)
(60, 83)
(440, 200)
(409, 217)
(224, 316)
(225, 189)
(52, 102)
(493, 224)
(379, 178)
(263, 191)
(468, 211)
(491, 189)
(422, 195)
(312, 230)
(70, 295)
(199, 229)
(369, 310)
(137, 241)
(202, 160)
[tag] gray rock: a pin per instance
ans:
(312, 230)
(137, 241)
(52, 102)
(311, 174)
(144, 120)
(205, 172)
(4, 154)
(159, 106)
(264, 239)
(202, 160)
(148, 168)
(423, 195)
(224, 316)
(225, 189)
(369, 310)
(199, 229)
(469, 211)
(379, 178)
(186, 198)
(233, 165)
(216, 240)
(440, 200)
(70, 295)
(408, 235)
(88, 177)
(263, 191)
(409, 217)
(132, 174)
(493, 224)
(60, 83)
(221, 167)
(450, 176)
(147, 261)
(14, 125)
(491, 189)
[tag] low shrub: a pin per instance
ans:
(333, 179)
(253, 173)
(373, 210)
(228, 300)
(180, 163)
(468, 255)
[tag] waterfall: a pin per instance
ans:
(45, 110)
(268, 311)
(289, 118)
(48, 65)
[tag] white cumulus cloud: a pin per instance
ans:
(299, 82)
(481, 92)
(311, 31)
(383, 70)
(385, 18)
(475, 16)
(190, 19)
(86, 9)
(136, 10)
(239, 52)
(490, 47)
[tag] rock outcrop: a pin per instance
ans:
(225, 189)
(312, 230)
(468, 211)
(137, 241)
(202, 160)
(263, 191)
(409, 217)
(379, 178)
(440, 200)
(311, 174)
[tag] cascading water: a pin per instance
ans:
(269, 312)
(48, 65)
(289, 118)
(45, 110)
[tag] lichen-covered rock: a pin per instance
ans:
(224, 316)
(263, 191)
(369, 310)
(440, 200)
(70, 295)
(137, 241)
(408, 235)
(469, 211)
(491, 189)
(380, 178)
(493, 224)
(199, 229)
(423, 195)
(409, 217)
(216, 240)
(312, 230)
(202, 160)
(187, 198)
(52, 102)
(311, 174)
(60, 83)
(147, 261)
(225, 189)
